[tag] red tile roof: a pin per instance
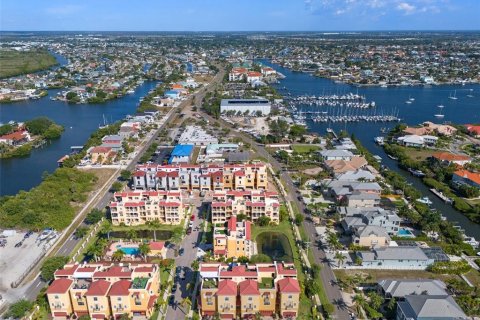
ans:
(238, 271)
(113, 272)
(60, 286)
(447, 156)
(227, 288)
(473, 129)
(139, 174)
(59, 314)
(248, 287)
(232, 223)
(283, 271)
(465, 174)
(15, 136)
(151, 301)
(101, 150)
(156, 245)
(98, 288)
(120, 288)
(288, 285)
(66, 271)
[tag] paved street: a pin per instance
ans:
(327, 275)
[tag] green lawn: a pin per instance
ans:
(168, 227)
(304, 148)
(14, 63)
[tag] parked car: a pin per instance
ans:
(189, 230)
(181, 252)
(192, 218)
(18, 244)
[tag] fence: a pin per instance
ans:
(92, 233)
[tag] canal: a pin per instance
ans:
(463, 110)
(79, 120)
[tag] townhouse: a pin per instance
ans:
(201, 177)
(104, 291)
(136, 208)
(267, 289)
(234, 240)
(253, 204)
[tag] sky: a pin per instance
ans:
(238, 15)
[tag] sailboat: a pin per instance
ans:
(454, 97)
(410, 100)
(440, 114)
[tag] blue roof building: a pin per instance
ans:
(182, 153)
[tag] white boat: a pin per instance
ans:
(439, 115)
(441, 106)
(454, 97)
(383, 86)
(379, 140)
(392, 157)
(408, 101)
(131, 91)
(411, 99)
(425, 200)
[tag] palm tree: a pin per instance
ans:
(186, 303)
(360, 302)
(340, 257)
(118, 255)
(95, 251)
(333, 241)
(144, 250)
(106, 229)
(131, 234)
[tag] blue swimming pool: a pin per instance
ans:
(405, 233)
(129, 250)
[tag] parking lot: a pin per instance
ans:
(14, 261)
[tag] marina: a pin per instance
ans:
(413, 114)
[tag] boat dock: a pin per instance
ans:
(441, 196)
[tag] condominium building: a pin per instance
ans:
(243, 291)
(234, 240)
(135, 208)
(201, 177)
(253, 204)
(104, 291)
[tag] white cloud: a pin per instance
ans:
(64, 10)
(406, 7)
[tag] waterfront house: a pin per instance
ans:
(362, 199)
(466, 177)
(407, 258)
(113, 141)
(356, 175)
(449, 158)
(426, 307)
(342, 166)
(100, 155)
(473, 130)
(370, 236)
(253, 76)
(417, 141)
(375, 216)
(328, 155)
(16, 138)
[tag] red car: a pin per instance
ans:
(192, 218)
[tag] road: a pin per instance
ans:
(333, 292)
(190, 246)
(31, 290)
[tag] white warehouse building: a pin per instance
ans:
(242, 105)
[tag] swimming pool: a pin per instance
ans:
(405, 233)
(129, 250)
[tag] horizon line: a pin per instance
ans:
(198, 31)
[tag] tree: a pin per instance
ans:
(360, 302)
(19, 309)
(278, 129)
(85, 317)
(51, 265)
(117, 186)
(131, 234)
(298, 219)
(241, 217)
(94, 216)
(144, 249)
(186, 303)
(118, 255)
(71, 96)
(333, 241)
(81, 232)
(260, 258)
(195, 265)
(243, 259)
(106, 229)
(38, 125)
(263, 221)
(375, 300)
(340, 257)
(126, 175)
(297, 131)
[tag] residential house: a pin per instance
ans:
(406, 258)
(136, 208)
(234, 240)
(242, 291)
(101, 155)
(427, 307)
(359, 199)
(201, 177)
(253, 204)
(466, 177)
(16, 138)
(104, 291)
(342, 166)
(370, 236)
(328, 155)
(451, 158)
(360, 217)
(399, 288)
(473, 130)
(417, 141)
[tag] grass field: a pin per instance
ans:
(376, 275)
(13, 63)
(304, 148)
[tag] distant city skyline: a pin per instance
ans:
(247, 15)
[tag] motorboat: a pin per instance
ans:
(425, 200)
